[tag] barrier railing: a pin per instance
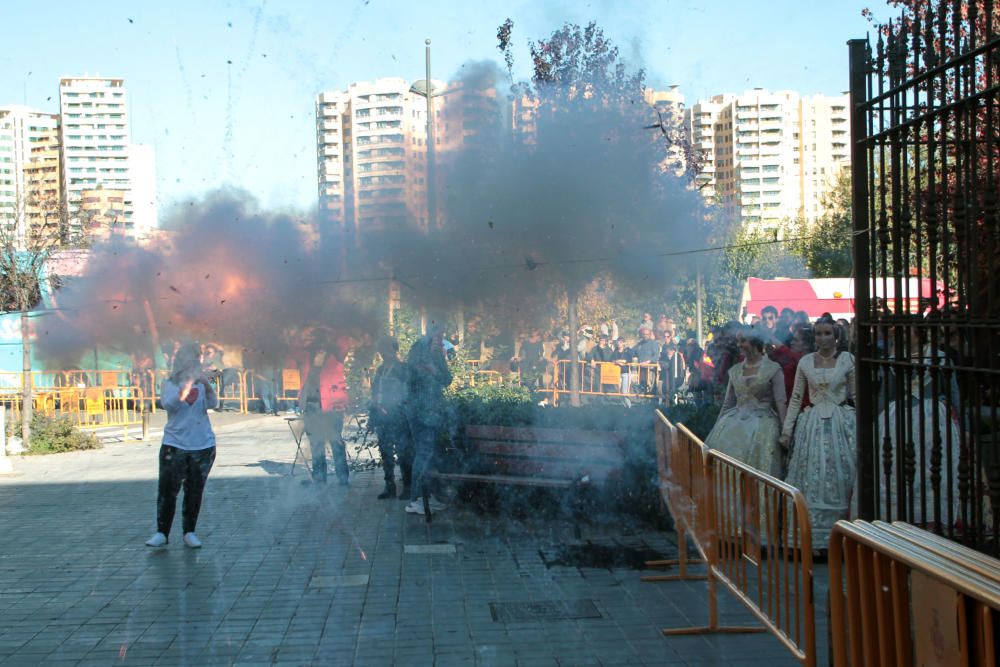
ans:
(902, 596)
(761, 550)
(606, 378)
(86, 407)
(681, 467)
(753, 532)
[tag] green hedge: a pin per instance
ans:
(54, 435)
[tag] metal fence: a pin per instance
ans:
(926, 177)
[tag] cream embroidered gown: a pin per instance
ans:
(750, 421)
(823, 464)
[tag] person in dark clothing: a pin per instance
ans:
(672, 369)
(600, 353)
(562, 354)
(386, 415)
(531, 361)
(188, 449)
(622, 355)
(429, 376)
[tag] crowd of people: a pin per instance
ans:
(784, 385)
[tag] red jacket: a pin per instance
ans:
(332, 383)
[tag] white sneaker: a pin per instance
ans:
(192, 540)
(415, 506)
(157, 540)
(437, 505)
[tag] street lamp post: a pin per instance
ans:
(426, 89)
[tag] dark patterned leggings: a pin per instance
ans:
(177, 467)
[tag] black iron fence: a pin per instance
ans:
(926, 179)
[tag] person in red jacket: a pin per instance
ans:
(323, 401)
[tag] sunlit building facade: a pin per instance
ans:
(770, 158)
(30, 199)
(95, 145)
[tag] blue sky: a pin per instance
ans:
(224, 90)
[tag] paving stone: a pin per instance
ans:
(303, 575)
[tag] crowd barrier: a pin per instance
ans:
(900, 595)
(681, 469)
(605, 378)
(86, 407)
(753, 532)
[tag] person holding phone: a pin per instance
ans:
(188, 449)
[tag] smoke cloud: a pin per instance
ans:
(521, 212)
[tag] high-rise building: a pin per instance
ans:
(29, 173)
(372, 153)
(769, 158)
(95, 149)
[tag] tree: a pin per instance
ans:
(593, 197)
(24, 250)
(825, 244)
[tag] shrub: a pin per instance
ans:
(53, 435)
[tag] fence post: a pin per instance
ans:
(860, 66)
(5, 465)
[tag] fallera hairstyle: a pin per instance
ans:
(828, 320)
(755, 336)
(187, 363)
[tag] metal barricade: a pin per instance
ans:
(753, 532)
(608, 379)
(898, 596)
(681, 466)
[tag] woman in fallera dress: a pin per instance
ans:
(749, 424)
(823, 436)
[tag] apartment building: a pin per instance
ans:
(372, 153)
(29, 172)
(769, 158)
(95, 148)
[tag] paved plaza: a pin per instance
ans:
(293, 574)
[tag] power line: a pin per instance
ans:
(579, 260)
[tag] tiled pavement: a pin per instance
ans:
(296, 575)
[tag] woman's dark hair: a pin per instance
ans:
(187, 363)
(807, 335)
(756, 336)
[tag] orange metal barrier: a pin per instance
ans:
(901, 596)
(87, 408)
(681, 465)
(606, 378)
(761, 550)
(751, 529)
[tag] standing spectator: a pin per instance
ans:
(610, 329)
(647, 354)
(647, 323)
(531, 361)
(662, 325)
(323, 402)
(599, 354)
(672, 369)
(188, 449)
(386, 415)
(562, 357)
(769, 317)
(622, 355)
(429, 376)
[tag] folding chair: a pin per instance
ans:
(297, 425)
